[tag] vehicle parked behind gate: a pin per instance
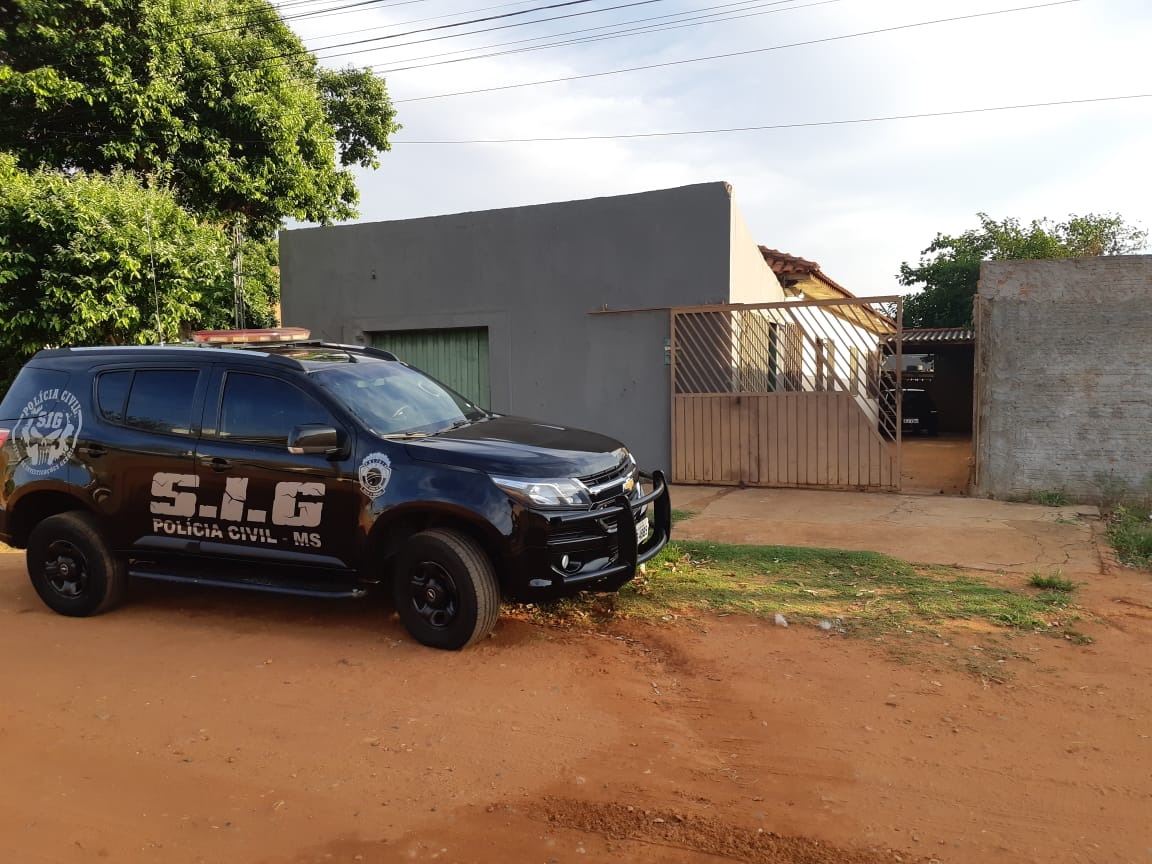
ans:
(311, 468)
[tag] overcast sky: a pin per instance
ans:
(859, 198)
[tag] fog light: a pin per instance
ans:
(564, 563)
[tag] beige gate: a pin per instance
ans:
(799, 393)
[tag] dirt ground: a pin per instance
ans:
(213, 726)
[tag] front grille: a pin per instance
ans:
(606, 485)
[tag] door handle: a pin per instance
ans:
(216, 463)
(94, 451)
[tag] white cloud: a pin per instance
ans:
(858, 198)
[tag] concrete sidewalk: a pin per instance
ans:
(931, 529)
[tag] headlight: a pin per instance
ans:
(545, 493)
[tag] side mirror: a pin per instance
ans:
(321, 440)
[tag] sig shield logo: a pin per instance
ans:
(47, 433)
(375, 472)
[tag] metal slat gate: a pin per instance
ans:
(799, 393)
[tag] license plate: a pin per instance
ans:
(911, 421)
(642, 529)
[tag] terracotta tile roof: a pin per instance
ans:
(789, 266)
(790, 269)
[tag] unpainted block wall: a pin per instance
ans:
(1064, 377)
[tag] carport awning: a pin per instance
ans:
(938, 336)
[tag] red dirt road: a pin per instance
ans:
(212, 726)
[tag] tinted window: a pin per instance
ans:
(111, 393)
(161, 400)
(393, 399)
(264, 410)
(27, 386)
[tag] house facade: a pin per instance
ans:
(558, 312)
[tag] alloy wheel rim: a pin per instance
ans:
(66, 569)
(434, 595)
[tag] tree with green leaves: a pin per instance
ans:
(149, 129)
(218, 98)
(94, 259)
(949, 268)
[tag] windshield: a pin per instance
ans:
(393, 399)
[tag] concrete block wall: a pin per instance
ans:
(1064, 377)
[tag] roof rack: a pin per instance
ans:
(379, 353)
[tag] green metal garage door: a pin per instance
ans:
(458, 357)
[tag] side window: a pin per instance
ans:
(31, 382)
(264, 410)
(112, 393)
(160, 400)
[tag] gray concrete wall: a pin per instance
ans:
(532, 275)
(1064, 377)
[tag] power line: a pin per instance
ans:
(254, 8)
(295, 74)
(729, 54)
(452, 15)
(73, 115)
(774, 126)
(698, 20)
(484, 30)
(259, 16)
(320, 48)
(507, 27)
(259, 62)
(718, 131)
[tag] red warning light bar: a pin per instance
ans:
(247, 337)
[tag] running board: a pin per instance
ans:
(250, 585)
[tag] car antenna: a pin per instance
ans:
(155, 287)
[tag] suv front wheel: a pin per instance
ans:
(445, 589)
(71, 568)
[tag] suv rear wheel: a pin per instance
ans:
(445, 589)
(71, 568)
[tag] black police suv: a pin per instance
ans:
(310, 468)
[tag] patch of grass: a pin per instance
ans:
(1050, 498)
(681, 515)
(1058, 598)
(1054, 582)
(860, 593)
(1130, 531)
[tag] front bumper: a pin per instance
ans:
(601, 545)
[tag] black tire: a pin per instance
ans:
(71, 568)
(445, 589)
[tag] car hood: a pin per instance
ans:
(516, 447)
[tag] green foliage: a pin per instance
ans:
(681, 515)
(1053, 582)
(232, 111)
(76, 255)
(1050, 498)
(949, 268)
(1130, 530)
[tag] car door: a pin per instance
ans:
(265, 502)
(140, 454)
